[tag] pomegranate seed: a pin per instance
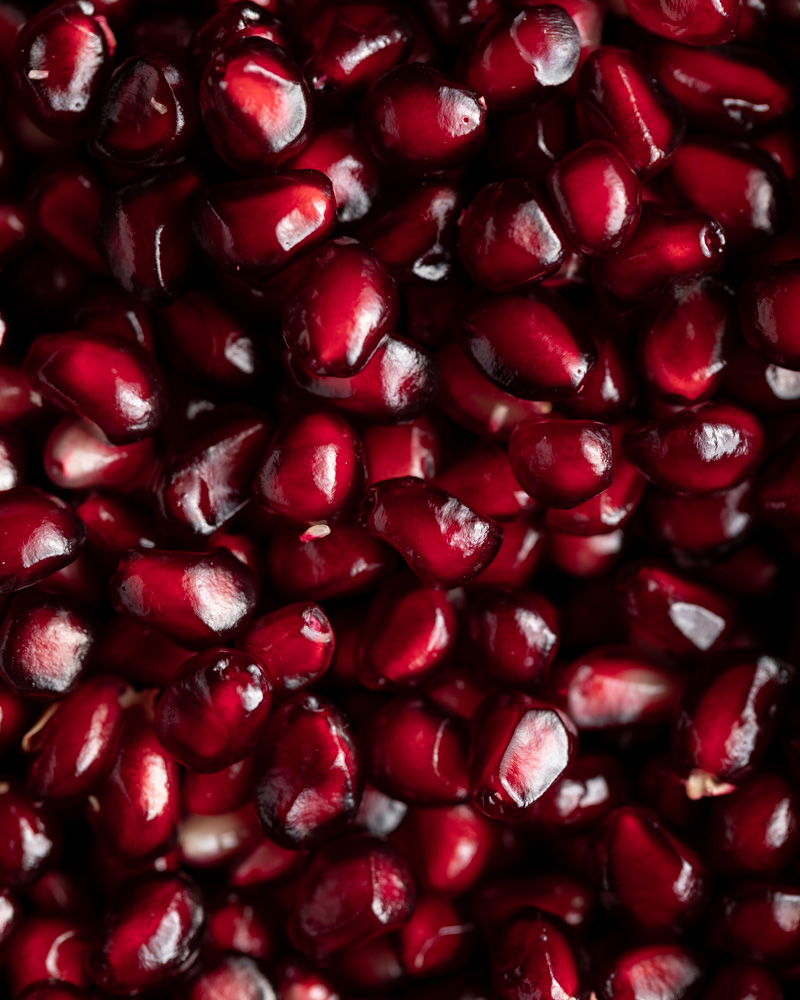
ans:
(47, 534)
(437, 939)
(29, 841)
(510, 236)
(214, 708)
(417, 752)
(767, 316)
(9, 914)
(520, 746)
(77, 455)
(149, 114)
(300, 980)
(65, 204)
(528, 144)
(327, 445)
(255, 104)
(741, 980)
(411, 448)
(143, 234)
(420, 121)
(409, 631)
(700, 525)
(45, 643)
(705, 24)
(697, 451)
(449, 847)
(112, 526)
(73, 747)
(229, 975)
(194, 598)
(521, 56)
(667, 248)
(561, 463)
(531, 957)
(515, 638)
(134, 808)
(484, 480)
(256, 227)
(48, 948)
(237, 925)
(220, 792)
(356, 888)
(307, 773)
(673, 892)
(354, 43)
(529, 345)
(718, 705)
(755, 921)
(62, 60)
(652, 972)
(622, 102)
(445, 542)
(151, 932)
(235, 20)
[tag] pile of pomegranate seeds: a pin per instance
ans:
(399, 500)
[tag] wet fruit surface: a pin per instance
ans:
(399, 500)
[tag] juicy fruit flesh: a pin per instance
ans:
(399, 519)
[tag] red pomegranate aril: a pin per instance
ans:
(531, 344)
(229, 976)
(683, 350)
(521, 56)
(561, 463)
(212, 842)
(514, 638)
(473, 402)
(238, 924)
(256, 227)
(255, 104)
(14, 719)
(51, 949)
(73, 748)
(45, 643)
(108, 310)
(298, 979)
(409, 448)
(586, 556)
(220, 792)
(397, 383)
(657, 882)
(532, 958)
(133, 810)
(342, 155)
(62, 61)
(113, 525)
(20, 403)
(239, 19)
(416, 237)
(65, 203)
(338, 315)
(376, 965)
(738, 185)
(151, 932)
(422, 122)
(355, 889)
(209, 341)
(700, 450)
(756, 829)
(651, 973)
(149, 115)
(15, 235)
(449, 847)
(668, 614)
(699, 525)
(767, 309)
(46, 536)
(345, 561)
(454, 21)
(307, 774)
(204, 483)
(313, 471)
(484, 480)
(444, 542)
(510, 236)
(520, 746)
(742, 980)
(563, 896)
(143, 234)
(29, 840)
(590, 788)
(621, 102)
(726, 89)
(757, 922)
(408, 632)
(705, 23)
(212, 713)
(112, 382)
(417, 752)
(725, 720)
(528, 144)
(614, 688)
(77, 455)
(668, 247)
(437, 939)
(12, 459)
(9, 914)
(597, 197)
(194, 598)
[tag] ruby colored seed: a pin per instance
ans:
(399, 500)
